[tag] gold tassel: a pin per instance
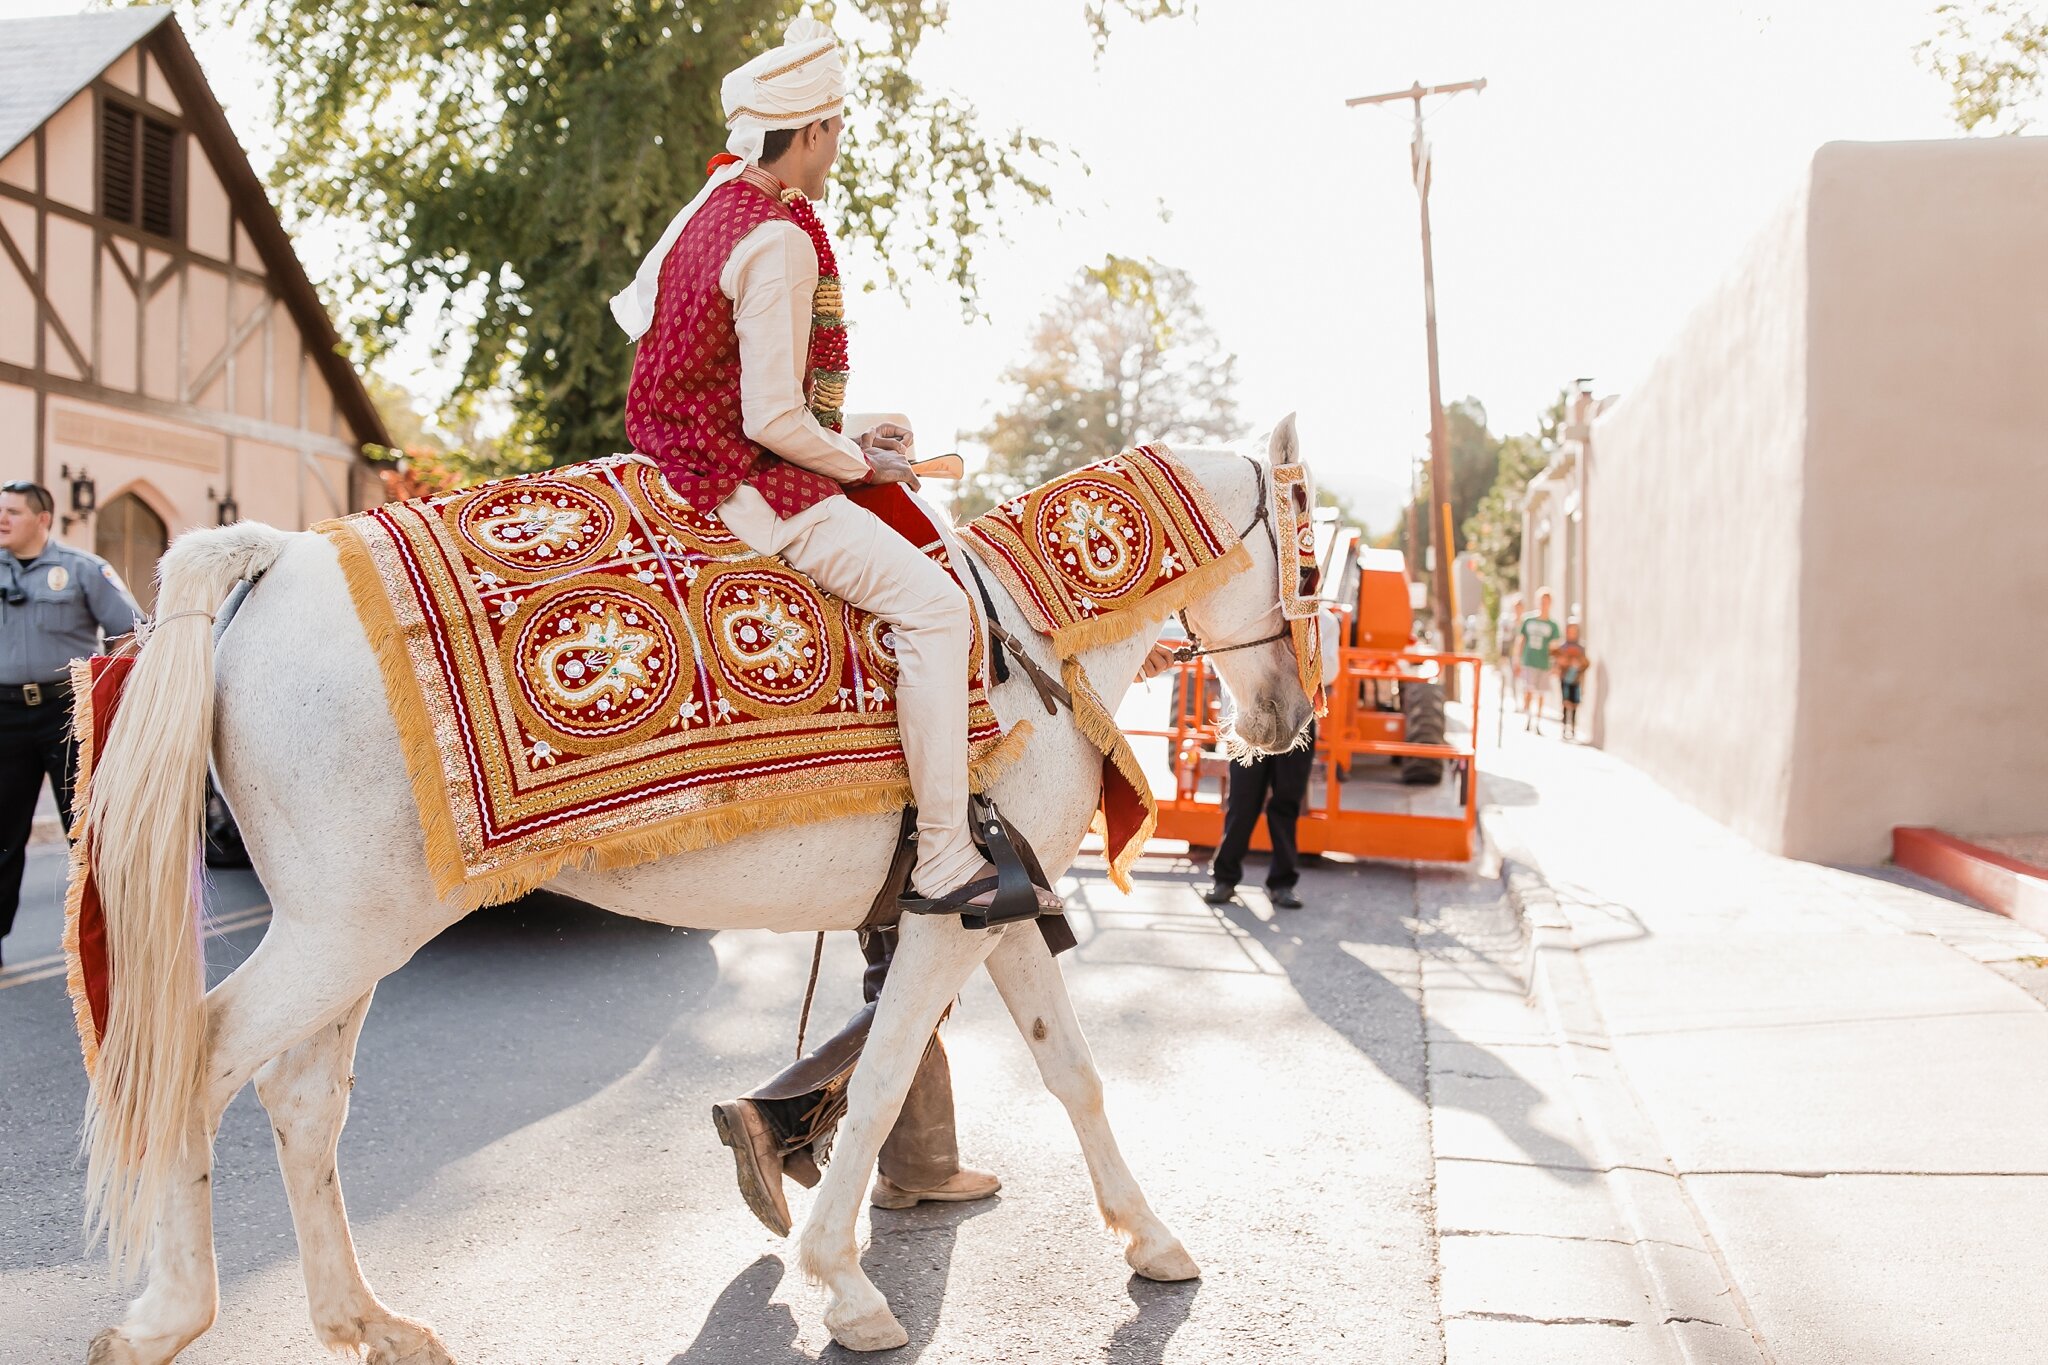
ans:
(80, 867)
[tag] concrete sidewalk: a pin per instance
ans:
(1816, 1092)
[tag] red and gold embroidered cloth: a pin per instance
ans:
(1096, 556)
(585, 669)
(1103, 551)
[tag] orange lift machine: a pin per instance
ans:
(1384, 750)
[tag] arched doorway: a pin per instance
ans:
(132, 538)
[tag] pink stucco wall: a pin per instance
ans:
(1818, 574)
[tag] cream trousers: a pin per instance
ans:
(850, 553)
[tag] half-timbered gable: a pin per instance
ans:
(164, 361)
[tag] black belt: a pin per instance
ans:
(35, 694)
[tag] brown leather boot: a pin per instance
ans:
(757, 1159)
(920, 1160)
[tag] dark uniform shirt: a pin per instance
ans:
(54, 609)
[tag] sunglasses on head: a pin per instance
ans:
(38, 496)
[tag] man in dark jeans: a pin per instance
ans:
(1276, 784)
(56, 602)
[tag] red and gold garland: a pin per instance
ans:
(828, 318)
(827, 386)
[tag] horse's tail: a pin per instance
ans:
(146, 814)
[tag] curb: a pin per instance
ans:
(1699, 1307)
(2006, 886)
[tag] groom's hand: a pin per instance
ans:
(889, 450)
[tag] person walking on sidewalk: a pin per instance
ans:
(1276, 784)
(1535, 635)
(1569, 659)
(56, 603)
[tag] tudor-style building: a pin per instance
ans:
(164, 361)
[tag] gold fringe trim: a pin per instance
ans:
(702, 829)
(408, 707)
(1149, 610)
(682, 833)
(1100, 728)
(74, 890)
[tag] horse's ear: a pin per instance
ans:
(1284, 447)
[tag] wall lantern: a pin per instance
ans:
(225, 507)
(84, 493)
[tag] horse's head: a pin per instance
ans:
(1272, 711)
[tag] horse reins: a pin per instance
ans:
(1194, 648)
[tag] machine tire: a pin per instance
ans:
(1422, 710)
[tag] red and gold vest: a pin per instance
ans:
(683, 406)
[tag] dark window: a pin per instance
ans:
(141, 170)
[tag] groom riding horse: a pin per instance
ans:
(736, 393)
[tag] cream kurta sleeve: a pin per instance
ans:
(770, 278)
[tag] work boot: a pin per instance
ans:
(1284, 899)
(1220, 894)
(962, 1187)
(757, 1161)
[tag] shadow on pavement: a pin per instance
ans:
(1162, 1309)
(910, 1260)
(1377, 1015)
(490, 1028)
(744, 1326)
(1495, 790)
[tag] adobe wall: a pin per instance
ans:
(1693, 506)
(1924, 607)
(1817, 528)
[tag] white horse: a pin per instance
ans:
(290, 706)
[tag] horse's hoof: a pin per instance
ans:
(877, 1330)
(1167, 1264)
(108, 1349)
(400, 1342)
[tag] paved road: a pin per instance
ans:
(529, 1166)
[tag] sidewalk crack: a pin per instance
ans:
(1546, 1322)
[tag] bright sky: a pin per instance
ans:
(1622, 153)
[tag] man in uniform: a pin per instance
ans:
(56, 602)
(721, 398)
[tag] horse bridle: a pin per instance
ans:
(1194, 648)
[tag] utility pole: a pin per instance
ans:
(1443, 598)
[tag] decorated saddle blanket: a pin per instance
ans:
(1094, 557)
(1109, 549)
(585, 669)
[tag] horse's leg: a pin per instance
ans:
(181, 1294)
(933, 960)
(306, 1092)
(1030, 983)
(300, 978)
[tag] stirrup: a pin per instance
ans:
(1016, 891)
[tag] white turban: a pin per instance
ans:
(792, 86)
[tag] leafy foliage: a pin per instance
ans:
(1475, 459)
(1124, 356)
(1494, 529)
(1991, 55)
(516, 159)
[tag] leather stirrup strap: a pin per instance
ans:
(1016, 897)
(1052, 693)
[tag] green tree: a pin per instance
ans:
(1475, 456)
(1493, 531)
(1124, 356)
(518, 158)
(1990, 54)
